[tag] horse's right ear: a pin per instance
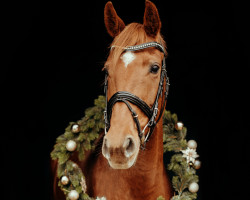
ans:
(113, 22)
(151, 22)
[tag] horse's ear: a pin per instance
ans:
(113, 22)
(151, 21)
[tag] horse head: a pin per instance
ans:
(136, 72)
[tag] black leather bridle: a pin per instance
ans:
(127, 98)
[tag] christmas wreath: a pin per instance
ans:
(80, 136)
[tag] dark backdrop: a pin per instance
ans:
(53, 55)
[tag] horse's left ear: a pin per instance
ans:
(151, 21)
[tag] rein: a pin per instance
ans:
(127, 98)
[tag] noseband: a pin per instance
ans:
(127, 98)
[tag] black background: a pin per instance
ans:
(53, 55)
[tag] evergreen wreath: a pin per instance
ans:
(80, 136)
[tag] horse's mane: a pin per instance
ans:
(133, 34)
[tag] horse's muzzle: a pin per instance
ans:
(120, 156)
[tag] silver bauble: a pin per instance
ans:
(64, 180)
(197, 164)
(73, 195)
(75, 128)
(74, 165)
(193, 187)
(71, 145)
(192, 144)
(179, 126)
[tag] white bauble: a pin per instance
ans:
(71, 145)
(64, 180)
(74, 165)
(193, 187)
(73, 195)
(197, 164)
(75, 128)
(179, 126)
(192, 144)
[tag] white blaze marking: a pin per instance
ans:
(127, 58)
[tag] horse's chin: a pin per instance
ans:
(126, 165)
(119, 166)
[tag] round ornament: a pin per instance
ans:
(193, 187)
(64, 180)
(74, 165)
(75, 128)
(192, 144)
(197, 164)
(190, 163)
(71, 145)
(179, 126)
(73, 195)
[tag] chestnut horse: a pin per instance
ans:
(124, 171)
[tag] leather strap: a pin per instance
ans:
(132, 99)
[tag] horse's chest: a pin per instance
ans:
(112, 186)
(115, 186)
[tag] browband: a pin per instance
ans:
(146, 45)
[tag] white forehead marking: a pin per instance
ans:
(127, 58)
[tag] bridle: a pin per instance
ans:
(127, 98)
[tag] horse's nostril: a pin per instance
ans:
(129, 147)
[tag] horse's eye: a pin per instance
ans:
(154, 69)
